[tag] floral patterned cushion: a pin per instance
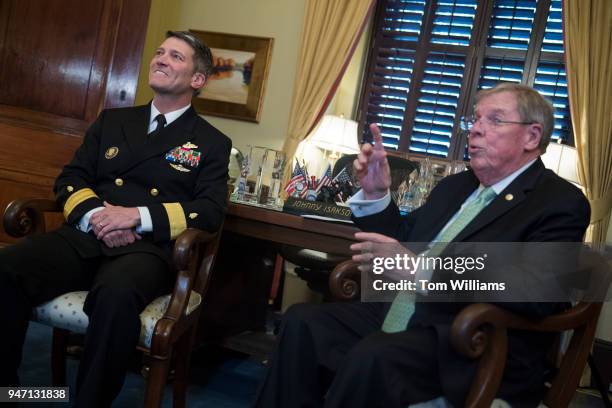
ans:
(66, 312)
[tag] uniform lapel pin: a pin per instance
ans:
(111, 152)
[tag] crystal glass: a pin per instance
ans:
(407, 193)
(269, 178)
(250, 174)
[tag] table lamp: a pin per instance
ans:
(336, 135)
(563, 160)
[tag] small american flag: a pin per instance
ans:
(325, 179)
(342, 177)
(296, 177)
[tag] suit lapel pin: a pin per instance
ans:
(111, 152)
(509, 197)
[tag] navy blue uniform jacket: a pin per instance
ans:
(180, 175)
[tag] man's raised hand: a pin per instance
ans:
(372, 168)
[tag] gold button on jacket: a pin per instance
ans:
(154, 192)
(119, 182)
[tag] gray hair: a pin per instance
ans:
(532, 107)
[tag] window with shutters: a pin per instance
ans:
(429, 58)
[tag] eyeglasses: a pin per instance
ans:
(467, 122)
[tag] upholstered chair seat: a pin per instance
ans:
(66, 312)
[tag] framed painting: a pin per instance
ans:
(240, 68)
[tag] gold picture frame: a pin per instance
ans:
(236, 88)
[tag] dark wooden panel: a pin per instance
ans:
(35, 152)
(29, 162)
(61, 62)
(70, 60)
(121, 86)
(49, 54)
(30, 119)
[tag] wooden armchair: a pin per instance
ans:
(169, 323)
(480, 332)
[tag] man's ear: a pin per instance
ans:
(198, 80)
(534, 135)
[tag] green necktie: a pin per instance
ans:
(402, 306)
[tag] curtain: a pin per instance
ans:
(588, 53)
(331, 32)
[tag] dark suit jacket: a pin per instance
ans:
(543, 208)
(180, 175)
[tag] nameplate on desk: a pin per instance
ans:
(298, 206)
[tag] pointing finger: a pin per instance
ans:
(377, 136)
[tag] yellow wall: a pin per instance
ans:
(279, 19)
(347, 96)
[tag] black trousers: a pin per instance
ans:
(335, 355)
(40, 268)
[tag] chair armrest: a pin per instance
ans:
(192, 249)
(480, 332)
(188, 252)
(345, 281)
(25, 217)
(472, 322)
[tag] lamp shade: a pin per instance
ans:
(336, 134)
(563, 160)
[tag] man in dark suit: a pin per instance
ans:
(356, 355)
(141, 177)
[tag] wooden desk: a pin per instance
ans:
(289, 229)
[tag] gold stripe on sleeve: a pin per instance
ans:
(176, 219)
(77, 198)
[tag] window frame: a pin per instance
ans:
(475, 54)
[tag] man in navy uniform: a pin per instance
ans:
(141, 177)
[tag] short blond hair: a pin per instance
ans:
(532, 107)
